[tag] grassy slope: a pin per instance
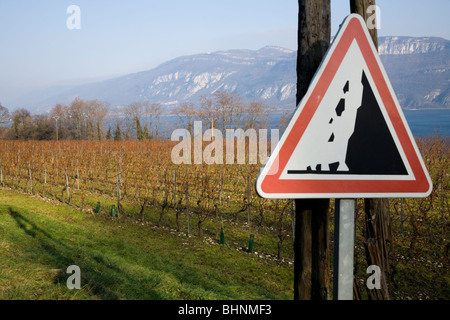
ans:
(121, 259)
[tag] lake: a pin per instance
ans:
(428, 122)
(423, 123)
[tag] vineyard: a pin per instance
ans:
(137, 181)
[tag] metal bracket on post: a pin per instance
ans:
(344, 242)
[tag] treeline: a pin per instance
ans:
(81, 120)
(224, 110)
(96, 120)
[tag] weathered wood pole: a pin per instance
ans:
(311, 265)
(378, 227)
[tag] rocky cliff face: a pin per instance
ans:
(245, 71)
(419, 70)
(408, 45)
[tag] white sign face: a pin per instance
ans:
(348, 136)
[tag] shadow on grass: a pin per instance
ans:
(60, 255)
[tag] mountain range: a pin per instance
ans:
(418, 68)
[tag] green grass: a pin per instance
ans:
(121, 258)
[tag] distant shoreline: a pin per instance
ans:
(426, 109)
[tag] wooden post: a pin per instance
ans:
(31, 180)
(57, 167)
(311, 265)
(377, 235)
(187, 209)
(119, 181)
(1, 172)
(220, 186)
(117, 194)
(302, 251)
(67, 187)
(360, 7)
(18, 170)
(248, 200)
(378, 220)
(174, 188)
(78, 177)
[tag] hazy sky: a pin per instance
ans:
(119, 37)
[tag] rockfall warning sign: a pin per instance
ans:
(348, 136)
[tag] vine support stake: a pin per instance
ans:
(67, 187)
(248, 200)
(187, 208)
(31, 180)
(174, 187)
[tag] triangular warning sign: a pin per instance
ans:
(348, 137)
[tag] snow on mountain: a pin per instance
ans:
(408, 45)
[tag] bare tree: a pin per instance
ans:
(5, 116)
(207, 112)
(257, 115)
(76, 117)
(228, 107)
(22, 124)
(153, 127)
(98, 111)
(284, 119)
(60, 118)
(187, 114)
(133, 113)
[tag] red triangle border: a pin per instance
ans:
(421, 185)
